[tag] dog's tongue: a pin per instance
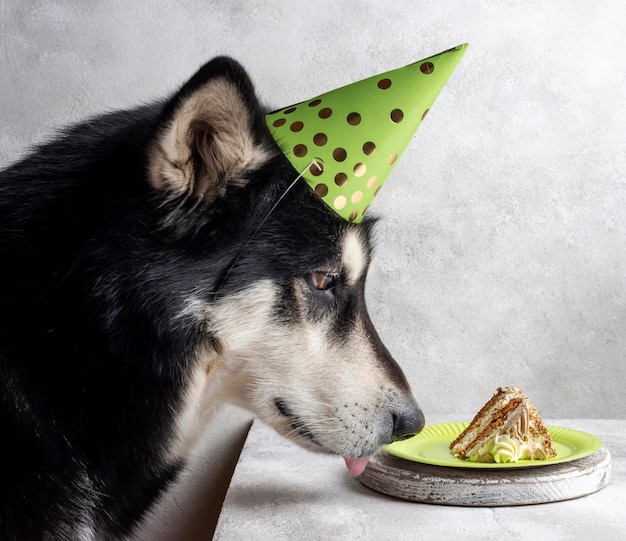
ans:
(356, 466)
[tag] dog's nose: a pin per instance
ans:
(408, 420)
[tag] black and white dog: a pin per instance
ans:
(147, 274)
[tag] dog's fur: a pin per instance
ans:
(147, 274)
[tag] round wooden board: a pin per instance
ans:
(487, 487)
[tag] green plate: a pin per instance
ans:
(431, 446)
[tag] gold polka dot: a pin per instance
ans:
(353, 215)
(425, 113)
(289, 111)
(315, 103)
(354, 119)
(321, 190)
(427, 68)
(371, 182)
(377, 190)
(300, 150)
(340, 202)
(339, 154)
(325, 112)
(316, 169)
(341, 179)
(320, 139)
(296, 126)
(384, 84)
(392, 158)
(359, 169)
(365, 210)
(396, 115)
(278, 123)
(356, 197)
(369, 148)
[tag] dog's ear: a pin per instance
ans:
(211, 134)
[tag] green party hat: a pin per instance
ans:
(347, 140)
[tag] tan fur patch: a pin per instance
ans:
(208, 145)
(199, 404)
(353, 256)
(240, 323)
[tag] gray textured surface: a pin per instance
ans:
(281, 492)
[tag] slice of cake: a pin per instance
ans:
(507, 428)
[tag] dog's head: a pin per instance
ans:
(282, 309)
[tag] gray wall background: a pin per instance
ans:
(502, 250)
(502, 256)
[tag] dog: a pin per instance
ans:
(160, 261)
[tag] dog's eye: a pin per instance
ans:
(324, 281)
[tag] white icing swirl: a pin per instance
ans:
(501, 449)
(506, 449)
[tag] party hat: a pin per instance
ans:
(347, 140)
